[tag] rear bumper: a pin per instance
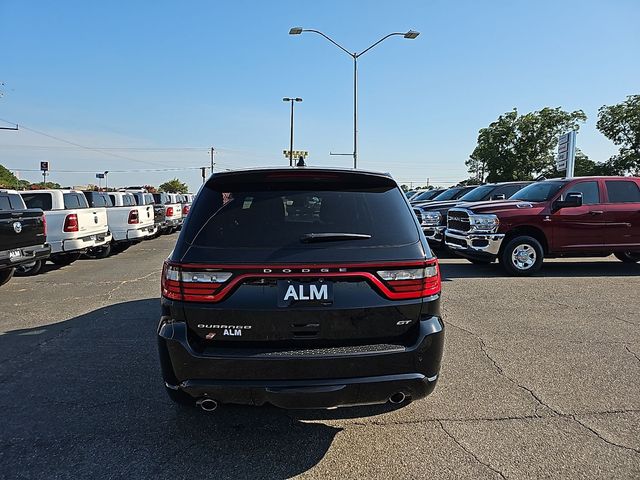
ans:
(141, 233)
(303, 379)
(311, 393)
(103, 239)
(83, 243)
(27, 255)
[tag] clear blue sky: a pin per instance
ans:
(163, 75)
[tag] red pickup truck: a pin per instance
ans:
(574, 217)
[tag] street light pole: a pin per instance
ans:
(411, 34)
(287, 99)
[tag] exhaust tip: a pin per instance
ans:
(207, 404)
(397, 398)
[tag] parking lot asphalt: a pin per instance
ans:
(540, 379)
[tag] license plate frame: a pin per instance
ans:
(15, 255)
(301, 293)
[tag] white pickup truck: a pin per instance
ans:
(145, 202)
(131, 223)
(172, 208)
(72, 226)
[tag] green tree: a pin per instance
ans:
(620, 123)
(520, 147)
(469, 181)
(7, 179)
(23, 185)
(44, 186)
(174, 186)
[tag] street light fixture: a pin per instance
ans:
(292, 100)
(411, 34)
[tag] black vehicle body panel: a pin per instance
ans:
(30, 241)
(361, 347)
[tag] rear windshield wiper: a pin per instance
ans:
(332, 237)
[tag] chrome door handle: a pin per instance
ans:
(596, 212)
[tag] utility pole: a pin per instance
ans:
(212, 159)
(291, 100)
(411, 34)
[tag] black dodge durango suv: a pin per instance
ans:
(302, 288)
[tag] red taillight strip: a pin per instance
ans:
(393, 290)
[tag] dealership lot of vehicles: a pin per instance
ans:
(534, 368)
(539, 379)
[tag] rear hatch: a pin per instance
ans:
(319, 258)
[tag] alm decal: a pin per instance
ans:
(233, 332)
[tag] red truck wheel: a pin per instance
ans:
(522, 256)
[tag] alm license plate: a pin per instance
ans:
(305, 293)
(15, 255)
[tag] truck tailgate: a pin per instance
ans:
(21, 228)
(92, 221)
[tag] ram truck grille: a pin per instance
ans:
(459, 221)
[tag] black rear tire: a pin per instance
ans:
(100, 252)
(64, 259)
(522, 256)
(5, 275)
(29, 269)
(628, 257)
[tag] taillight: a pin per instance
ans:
(190, 285)
(212, 283)
(133, 216)
(409, 283)
(185, 210)
(71, 223)
(169, 211)
(44, 224)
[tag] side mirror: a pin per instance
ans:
(573, 199)
(499, 196)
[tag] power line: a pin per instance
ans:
(84, 146)
(110, 171)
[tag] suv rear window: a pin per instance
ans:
(283, 215)
(623, 191)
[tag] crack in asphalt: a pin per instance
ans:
(469, 452)
(132, 280)
(570, 416)
(626, 347)
(625, 321)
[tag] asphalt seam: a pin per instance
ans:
(469, 452)
(537, 398)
